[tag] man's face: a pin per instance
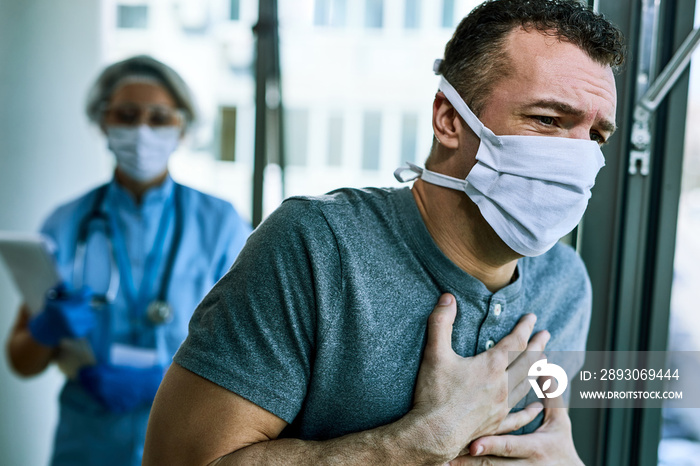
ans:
(553, 89)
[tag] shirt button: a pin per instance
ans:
(489, 344)
(497, 310)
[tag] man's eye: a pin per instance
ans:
(598, 138)
(545, 120)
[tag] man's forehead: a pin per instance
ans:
(525, 42)
(539, 56)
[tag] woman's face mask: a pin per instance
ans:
(142, 152)
(532, 190)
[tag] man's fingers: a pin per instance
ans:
(554, 407)
(440, 324)
(518, 381)
(518, 393)
(505, 446)
(520, 366)
(518, 338)
(515, 421)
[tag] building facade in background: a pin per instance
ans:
(357, 85)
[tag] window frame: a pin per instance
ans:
(628, 238)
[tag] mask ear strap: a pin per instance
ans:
(430, 177)
(398, 173)
(458, 103)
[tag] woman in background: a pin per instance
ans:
(136, 256)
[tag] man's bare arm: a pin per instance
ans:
(196, 422)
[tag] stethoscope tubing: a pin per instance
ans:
(96, 213)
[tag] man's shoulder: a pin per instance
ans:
(345, 206)
(344, 215)
(348, 197)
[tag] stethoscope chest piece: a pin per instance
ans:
(159, 312)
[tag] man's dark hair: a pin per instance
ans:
(475, 57)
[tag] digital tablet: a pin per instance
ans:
(29, 258)
(31, 264)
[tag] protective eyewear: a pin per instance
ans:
(151, 115)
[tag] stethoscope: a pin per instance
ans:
(158, 311)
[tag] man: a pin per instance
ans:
(313, 349)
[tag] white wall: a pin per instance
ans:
(49, 53)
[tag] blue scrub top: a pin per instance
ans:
(212, 235)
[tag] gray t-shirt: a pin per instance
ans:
(322, 318)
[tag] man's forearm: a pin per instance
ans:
(403, 442)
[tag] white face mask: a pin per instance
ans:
(532, 190)
(142, 152)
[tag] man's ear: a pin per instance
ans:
(446, 125)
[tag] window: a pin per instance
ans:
(412, 14)
(448, 13)
(371, 140)
(409, 137)
(132, 16)
(234, 10)
(228, 134)
(374, 13)
(330, 13)
(335, 140)
(321, 12)
(297, 136)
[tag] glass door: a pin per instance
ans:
(680, 443)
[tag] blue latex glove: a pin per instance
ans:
(121, 388)
(65, 315)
